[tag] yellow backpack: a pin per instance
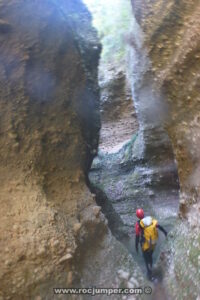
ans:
(150, 233)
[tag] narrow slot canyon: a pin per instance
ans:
(135, 166)
(99, 116)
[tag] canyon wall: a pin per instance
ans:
(172, 42)
(168, 62)
(49, 135)
(52, 233)
(118, 117)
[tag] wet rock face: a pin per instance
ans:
(141, 174)
(118, 116)
(115, 92)
(171, 39)
(171, 44)
(49, 134)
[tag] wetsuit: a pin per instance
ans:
(147, 254)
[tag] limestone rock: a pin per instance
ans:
(77, 227)
(123, 274)
(171, 44)
(96, 210)
(49, 103)
(67, 257)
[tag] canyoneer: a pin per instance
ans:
(146, 230)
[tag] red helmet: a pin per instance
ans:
(140, 213)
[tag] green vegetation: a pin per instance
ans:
(128, 148)
(123, 155)
(112, 19)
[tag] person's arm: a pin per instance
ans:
(162, 229)
(137, 236)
